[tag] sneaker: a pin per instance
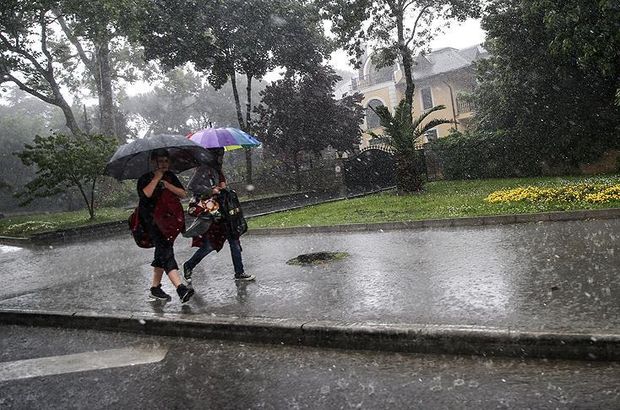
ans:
(187, 273)
(158, 294)
(185, 293)
(244, 276)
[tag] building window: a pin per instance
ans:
(372, 119)
(427, 99)
(431, 135)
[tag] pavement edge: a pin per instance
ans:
(489, 220)
(410, 338)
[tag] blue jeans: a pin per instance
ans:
(206, 248)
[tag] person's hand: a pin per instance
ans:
(216, 190)
(166, 184)
(159, 174)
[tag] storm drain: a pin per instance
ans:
(317, 258)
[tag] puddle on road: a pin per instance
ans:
(317, 258)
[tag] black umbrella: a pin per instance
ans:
(132, 160)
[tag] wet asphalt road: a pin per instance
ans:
(537, 276)
(200, 374)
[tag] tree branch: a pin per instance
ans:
(89, 62)
(23, 53)
(31, 91)
(44, 49)
(415, 25)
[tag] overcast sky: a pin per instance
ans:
(459, 36)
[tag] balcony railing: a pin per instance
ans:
(464, 106)
(371, 79)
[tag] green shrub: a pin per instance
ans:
(476, 155)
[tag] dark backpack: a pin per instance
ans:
(232, 214)
(140, 235)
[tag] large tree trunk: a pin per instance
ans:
(104, 87)
(70, 119)
(408, 177)
(60, 102)
(248, 151)
(233, 83)
(407, 61)
(297, 171)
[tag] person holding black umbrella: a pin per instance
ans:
(161, 214)
(159, 217)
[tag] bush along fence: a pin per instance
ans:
(479, 155)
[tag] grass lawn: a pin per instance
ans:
(443, 199)
(26, 225)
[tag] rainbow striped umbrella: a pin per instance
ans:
(227, 138)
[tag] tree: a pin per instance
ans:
(183, 102)
(28, 58)
(552, 78)
(98, 32)
(299, 114)
(227, 38)
(46, 44)
(65, 162)
(22, 116)
(398, 28)
(401, 134)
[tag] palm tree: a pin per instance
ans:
(400, 134)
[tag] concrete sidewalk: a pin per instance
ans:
(549, 289)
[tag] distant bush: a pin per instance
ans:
(112, 193)
(476, 155)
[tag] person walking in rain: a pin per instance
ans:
(207, 183)
(161, 215)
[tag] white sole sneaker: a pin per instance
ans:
(246, 277)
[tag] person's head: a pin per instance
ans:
(161, 159)
(219, 155)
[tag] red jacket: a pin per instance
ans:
(168, 215)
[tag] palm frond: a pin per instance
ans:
(418, 121)
(432, 124)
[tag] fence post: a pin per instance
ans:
(339, 170)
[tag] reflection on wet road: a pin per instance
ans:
(557, 275)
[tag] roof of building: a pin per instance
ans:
(445, 60)
(437, 62)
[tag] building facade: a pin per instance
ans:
(442, 77)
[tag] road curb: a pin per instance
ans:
(411, 338)
(611, 213)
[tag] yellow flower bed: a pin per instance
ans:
(593, 193)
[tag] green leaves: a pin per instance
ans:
(552, 78)
(299, 113)
(399, 29)
(401, 135)
(65, 161)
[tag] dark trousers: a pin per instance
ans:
(206, 248)
(164, 251)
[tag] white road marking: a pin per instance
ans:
(80, 362)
